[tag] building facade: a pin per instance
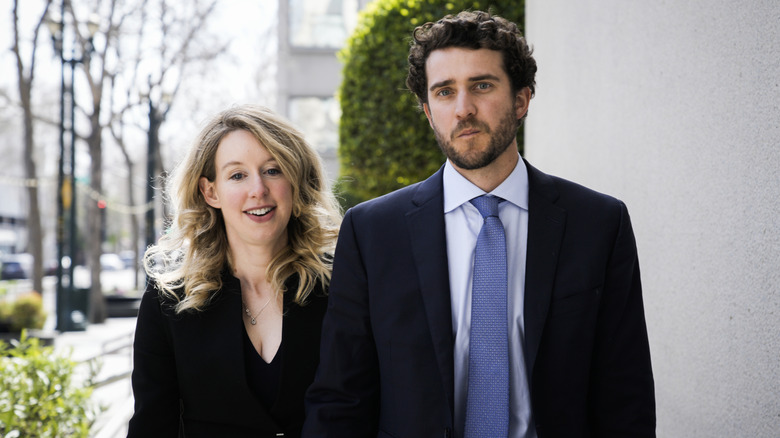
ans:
(310, 34)
(673, 108)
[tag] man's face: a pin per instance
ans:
(471, 106)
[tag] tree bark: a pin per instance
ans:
(25, 82)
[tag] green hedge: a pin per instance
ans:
(39, 395)
(385, 140)
(26, 311)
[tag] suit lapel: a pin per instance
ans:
(429, 249)
(546, 224)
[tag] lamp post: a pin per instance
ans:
(67, 317)
(157, 113)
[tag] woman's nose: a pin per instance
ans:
(259, 189)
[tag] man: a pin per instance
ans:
(417, 342)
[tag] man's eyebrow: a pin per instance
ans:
(443, 83)
(478, 78)
(484, 77)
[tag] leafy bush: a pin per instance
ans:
(26, 311)
(38, 394)
(5, 315)
(385, 140)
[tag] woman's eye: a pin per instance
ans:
(237, 176)
(273, 172)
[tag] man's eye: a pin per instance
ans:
(483, 86)
(444, 92)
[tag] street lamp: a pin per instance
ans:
(157, 114)
(67, 317)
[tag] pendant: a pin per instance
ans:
(253, 321)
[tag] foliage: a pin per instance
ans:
(5, 315)
(26, 311)
(38, 392)
(385, 140)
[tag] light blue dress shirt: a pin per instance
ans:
(463, 222)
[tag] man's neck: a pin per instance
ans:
(491, 176)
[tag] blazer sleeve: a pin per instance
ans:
(343, 400)
(623, 398)
(154, 381)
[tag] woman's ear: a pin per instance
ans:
(209, 194)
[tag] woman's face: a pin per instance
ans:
(253, 194)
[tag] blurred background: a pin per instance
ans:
(673, 107)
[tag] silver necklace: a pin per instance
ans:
(253, 319)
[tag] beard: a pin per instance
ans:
(471, 156)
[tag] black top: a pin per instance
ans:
(263, 378)
(190, 369)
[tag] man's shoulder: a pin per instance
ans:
(401, 196)
(566, 192)
(403, 199)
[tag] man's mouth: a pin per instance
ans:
(467, 132)
(260, 211)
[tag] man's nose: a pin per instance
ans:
(464, 106)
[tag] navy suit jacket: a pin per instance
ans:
(386, 366)
(190, 375)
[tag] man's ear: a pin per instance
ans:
(209, 194)
(522, 101)
(428, 114)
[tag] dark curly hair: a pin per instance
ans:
(471, 30)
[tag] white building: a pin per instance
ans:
(311, 32)
(674, 107)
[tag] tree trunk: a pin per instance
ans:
(95, 223)
(34, 234)
(135, 232)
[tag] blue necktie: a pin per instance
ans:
(487, 405)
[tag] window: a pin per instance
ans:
(321, 23)
(318, 119)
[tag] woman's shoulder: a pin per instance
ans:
(168, 298)
(165, 300)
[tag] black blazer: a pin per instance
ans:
(191, 367)
(386, 367)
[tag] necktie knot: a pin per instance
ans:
(487, 205)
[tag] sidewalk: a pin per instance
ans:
(111, 343)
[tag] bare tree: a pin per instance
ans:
(117, 128)
(26, 75)
(175, 29)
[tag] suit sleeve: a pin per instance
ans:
(343, 400)
(623, 403)
(154, 381)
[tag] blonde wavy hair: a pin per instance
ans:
(187, 262)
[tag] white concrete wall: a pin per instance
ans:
(674, 107)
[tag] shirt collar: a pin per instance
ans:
(458, 190)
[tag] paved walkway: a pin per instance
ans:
(111, 343)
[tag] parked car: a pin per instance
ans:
(12, 271)
(111, 262)
(15, 266)
(128, 258)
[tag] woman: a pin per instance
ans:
(227, 339)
